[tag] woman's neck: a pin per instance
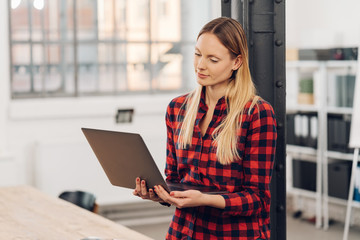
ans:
(213, 94)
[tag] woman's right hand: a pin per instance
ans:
(141, 191)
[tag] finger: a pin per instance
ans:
(152, 195)
(137, 182)
(135, 193)
(163, 194)
(178, 194)
(144, 191)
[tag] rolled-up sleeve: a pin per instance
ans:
(258, 160)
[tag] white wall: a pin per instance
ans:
(322, 23)
(52, 154)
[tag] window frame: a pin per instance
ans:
(32, 93)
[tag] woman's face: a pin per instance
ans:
(212, 61)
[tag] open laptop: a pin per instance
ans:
(124, 157)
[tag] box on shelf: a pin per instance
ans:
(345, 85)
(328, 54)
(339, 132)
(314, 54)
(304, 174)
(290, 129)
(302, 129)
(341, 90)
(306, 91)
(292, 54)
(339, 174)
(343, 53)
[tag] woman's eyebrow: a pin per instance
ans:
(211, 55)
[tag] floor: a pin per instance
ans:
(297, 229)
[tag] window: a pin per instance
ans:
(100, 47)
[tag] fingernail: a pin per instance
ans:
(138, 179)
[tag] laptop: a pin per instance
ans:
(124, 157)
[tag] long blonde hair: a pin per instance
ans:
(240, 90)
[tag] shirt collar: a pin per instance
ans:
(220, 105)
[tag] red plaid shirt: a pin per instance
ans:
(247, 211)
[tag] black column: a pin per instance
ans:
(264, 25)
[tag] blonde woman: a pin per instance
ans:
(221, 135)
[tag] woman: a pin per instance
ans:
(221, 135)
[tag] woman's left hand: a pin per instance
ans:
(182, 199)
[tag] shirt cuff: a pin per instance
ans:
(165, 204)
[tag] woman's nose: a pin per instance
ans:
(201, 64)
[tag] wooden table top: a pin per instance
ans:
(27, 213)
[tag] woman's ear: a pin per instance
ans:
(237, 63)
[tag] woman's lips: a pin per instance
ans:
(201, 75)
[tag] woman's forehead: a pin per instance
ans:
(211, 44)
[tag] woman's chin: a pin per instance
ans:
(202, 82)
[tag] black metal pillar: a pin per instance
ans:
(264, 25)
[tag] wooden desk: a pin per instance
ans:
(26, 213)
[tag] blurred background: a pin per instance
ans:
(116, 64)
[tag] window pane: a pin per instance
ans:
(46, 69)
(53, 80)
(138, 67)
(106, 21)
(121, 74)
(165, 20)
(166, 62)
(87, 68)
(67, 66)
(137, 20)
(188, 76)
(120, 15)
(37, 22)
(19, 20)
(52, 21)
(38, 67)
(20, 68)
(67, 19)
(106, 68)
(86, 19)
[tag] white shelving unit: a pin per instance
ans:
(322, 73)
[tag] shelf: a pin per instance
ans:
(340, 155)
(341, 64)
(302, 64)
(313, 120)
(316, 64)
(303, 192)
(343, 202)
(301, 150)
(339, 110)
(302, 108)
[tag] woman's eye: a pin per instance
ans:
(197, 54)
(214, 60)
